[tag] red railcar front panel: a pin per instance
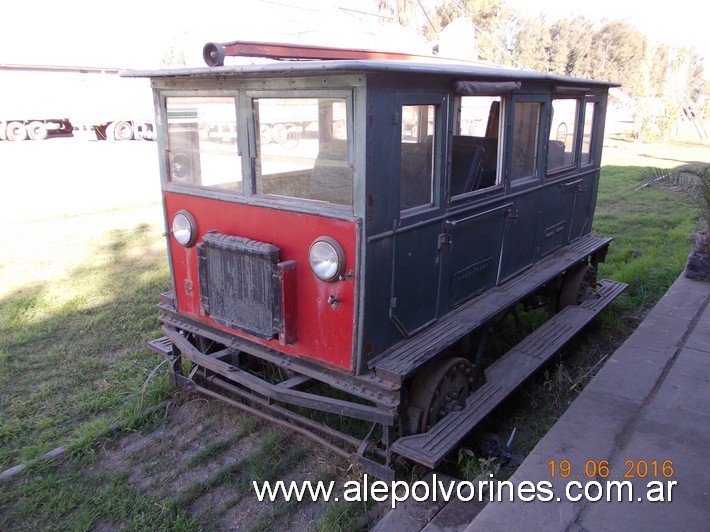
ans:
(324, 330)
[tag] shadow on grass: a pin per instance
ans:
(656, 158)
(73, 361)
(72, 355)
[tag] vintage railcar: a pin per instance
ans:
(345, 231)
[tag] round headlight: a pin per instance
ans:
(184, 229)
(327, 258)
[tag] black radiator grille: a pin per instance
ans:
(239, 285)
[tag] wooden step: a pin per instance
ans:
(405, 357)
(503, 377)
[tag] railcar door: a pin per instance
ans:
(417, 246)
(586, 191)
(563, 184)
(477, 206)
(524, 153)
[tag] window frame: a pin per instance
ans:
(499, 186)
(593, 136)
(348, 85)
(440, 102)
(577, 132)
(164, 161)
(543, 101)
(306, 204)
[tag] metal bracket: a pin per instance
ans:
(444, 240)
(180, 381)
(373, 468)
(347, 276)
(513, 214)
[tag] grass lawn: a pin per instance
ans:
(73, 327)
(81, 304)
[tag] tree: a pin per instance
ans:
(696, 76)
(489, 18)
(673, 76)
(578, 47)
(658, 65)
(532, 44)
(401, 10)
(571, 48)
(619, 51)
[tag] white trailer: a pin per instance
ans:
(34, 128)
(39, 101)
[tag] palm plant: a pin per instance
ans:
(693, 181)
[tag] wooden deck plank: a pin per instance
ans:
(503, 377)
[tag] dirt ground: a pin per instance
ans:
(619, 152)
(205, 455)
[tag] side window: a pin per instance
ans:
(563, 135)
(202, 142)
(589, 112)
(302, 149)
(474, 150)
(417, 156)
(526, 129)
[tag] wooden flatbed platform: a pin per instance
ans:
(503, 377)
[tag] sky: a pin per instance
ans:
(138, 33)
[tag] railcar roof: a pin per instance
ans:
(480, 71)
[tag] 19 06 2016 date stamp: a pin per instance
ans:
(597, 479)
(595, 469)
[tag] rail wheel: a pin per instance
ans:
(265, 134)
(123, 131)
(37, 130)
(439, 389)
(16, 131)
(293, 137)
(578, 286)
(278, 133)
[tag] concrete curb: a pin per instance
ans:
(646, 403)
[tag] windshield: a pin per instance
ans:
(202, 142)
(302, 149)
